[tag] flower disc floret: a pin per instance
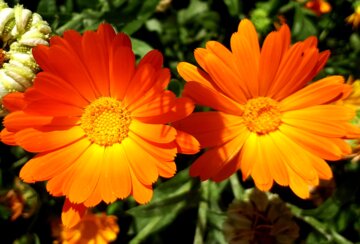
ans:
(262, 115)
(106, 121)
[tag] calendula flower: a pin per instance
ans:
(319, 7)
(20, 31)
(268, 122)
(98, 121)
(354, 18)
(93, 228)
(260, 218)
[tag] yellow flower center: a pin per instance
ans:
(106, 121)
(262, 115)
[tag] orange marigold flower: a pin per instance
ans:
(354, 18)
(319, 7)
(93, 228)
(98, 121)
(267, 124)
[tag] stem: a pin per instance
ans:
(202, 212)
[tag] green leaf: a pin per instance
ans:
(193, 11)
(47, 7)
(233, 6)
(147, 9)
(140, 48)
(302, 26)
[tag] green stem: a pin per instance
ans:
(236, 187)
(329, 233)
(202, 212)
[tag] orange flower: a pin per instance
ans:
(354, 18)
(93, 228)
(319, 7)
(97, 120)
(267, 124)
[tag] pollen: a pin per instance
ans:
(106, 121)
(262, 115)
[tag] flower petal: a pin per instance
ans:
(34, 140)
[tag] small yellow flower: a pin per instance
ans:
(354, 18)
(20, 31)
(319, 7)
(259, 218)
(93, 228)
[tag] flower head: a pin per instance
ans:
(20, 31)
(259, 218)
(319, 7)
(93, 228)
(98, 121)
(268, 122)
(354, 18)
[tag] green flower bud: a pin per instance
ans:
(20, 31)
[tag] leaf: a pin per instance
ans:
(147, 9)
(233, 6)
(140, 48)
(47, 7)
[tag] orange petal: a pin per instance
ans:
(250, 148)
(51, 107)
(320, 92)
(230, 168)
(212, 161)
(160, 105)
(14, 101)
(276, 164)
(142, 193)
(247, 61)
(141, 163)
(226, 79)
(70, 68)
(155, 133)
(326, 148)
(321, 127)
(121, 71)
(47, 165)
(182, 108)
(46, 83)
(116, 173)
(211, 128)
(186, 143)
(291, 78)
(298, 185)
(36, 141)
(154, 58)
(247, 29)
(142, 81)
(297, 158)
(19, 120)
(146, 94)
(72, 213)
(161, 152)
(190, 72)
(166, 169)
(86, 172)
(272, 52)
(96, 59)
(210, 97)
(8, 137)
(121, 40)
